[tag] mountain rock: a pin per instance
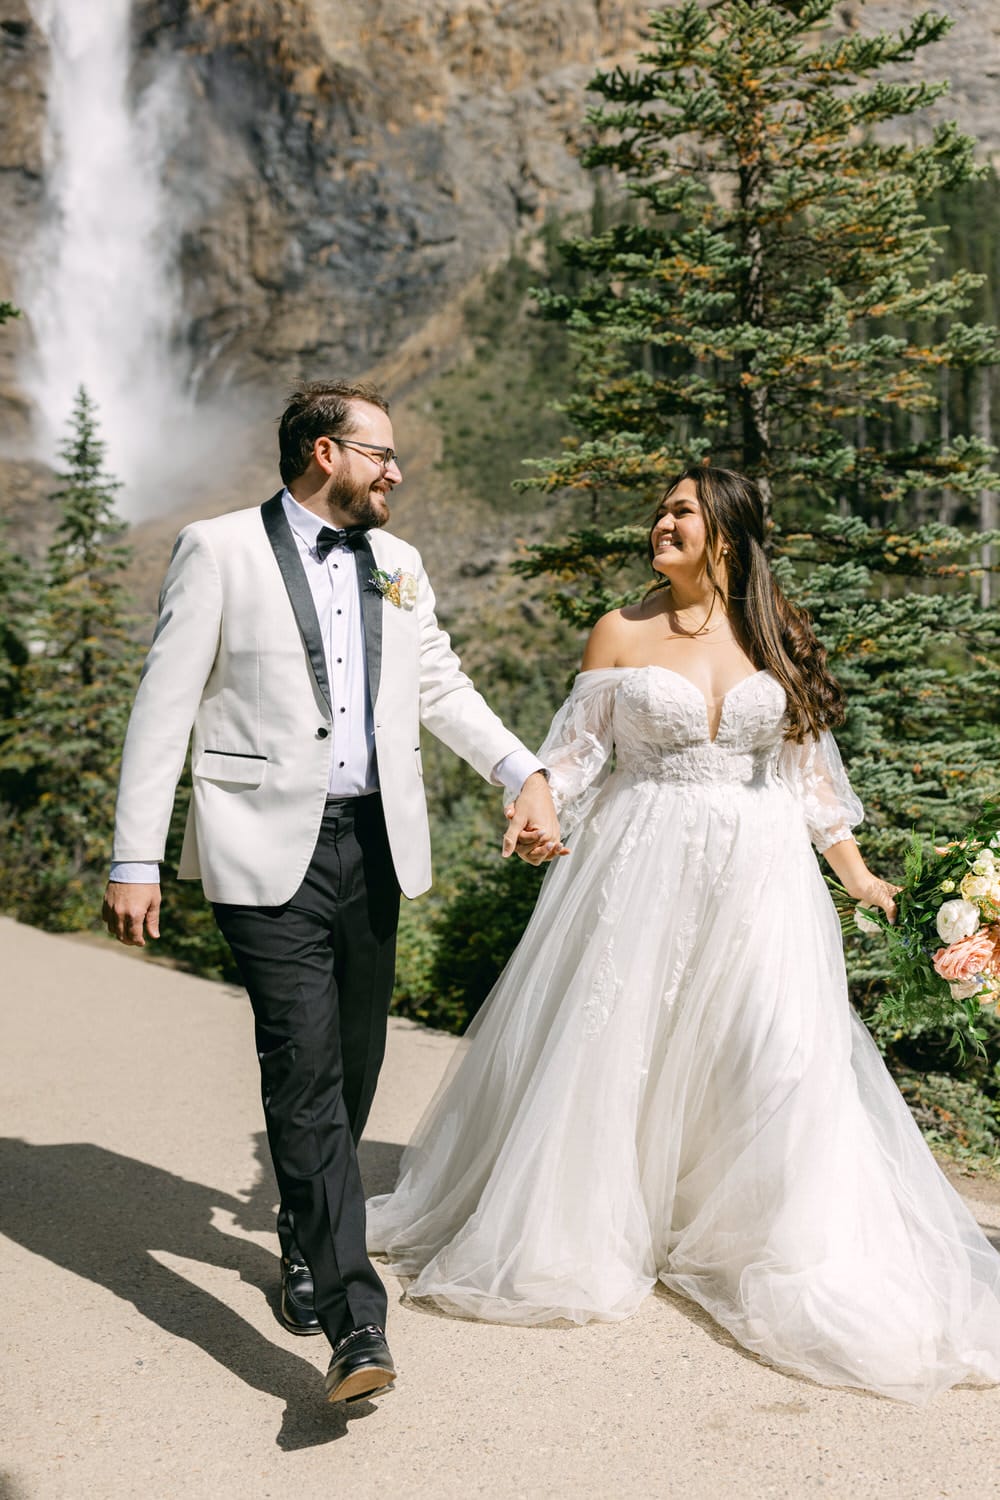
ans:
(342, 169)
(345, 167)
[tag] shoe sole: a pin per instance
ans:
(297, 1327)
(370, 1380)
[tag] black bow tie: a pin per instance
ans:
(332, 536)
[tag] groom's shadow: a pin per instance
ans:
(100, 1215)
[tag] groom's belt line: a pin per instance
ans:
(347, 807)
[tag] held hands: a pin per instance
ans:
(131, 911)
(532, 824)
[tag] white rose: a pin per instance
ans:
(964, 989)
(407, 591)
(957, 919)
(985, 862)
(974, 887)
(864, 923)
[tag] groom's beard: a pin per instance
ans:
(365, 504)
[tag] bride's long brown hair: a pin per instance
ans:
(777, 636)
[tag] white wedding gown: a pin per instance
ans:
(668, 1080)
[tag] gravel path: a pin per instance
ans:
(142, 1353)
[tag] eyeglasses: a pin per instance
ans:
(381, 456)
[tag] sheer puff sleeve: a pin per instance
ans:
(815, 774)
(577, 749)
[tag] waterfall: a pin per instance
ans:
(101, 292)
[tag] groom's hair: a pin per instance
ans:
(321, 409)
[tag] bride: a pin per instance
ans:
(668, 1081)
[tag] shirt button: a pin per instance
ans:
(343, 710)
(341, 765)
(340, 611)
(339, 660)
(322, 732)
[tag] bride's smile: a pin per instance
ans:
(679, 529)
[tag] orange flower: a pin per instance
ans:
(971, 955)
(993, 967)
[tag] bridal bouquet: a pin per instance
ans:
(944, 949)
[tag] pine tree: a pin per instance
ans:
(15, 593)
(742, 310)
(60, 744)
(15, 609)
(771, 299)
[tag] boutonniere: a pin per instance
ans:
(399, 588)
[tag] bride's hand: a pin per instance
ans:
(876, 892)
(534, 848)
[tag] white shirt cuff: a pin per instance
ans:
(135, 872)
(513, 771)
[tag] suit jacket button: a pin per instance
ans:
(322, 732)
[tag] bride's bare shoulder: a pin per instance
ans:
(603, 642)
(607, 645)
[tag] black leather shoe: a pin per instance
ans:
(297, 1311)
(361, 1366)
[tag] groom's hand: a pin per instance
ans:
(533, 824)
(130, 911)
(535, 849)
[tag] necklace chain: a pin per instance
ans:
(703, 629)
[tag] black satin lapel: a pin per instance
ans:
(371, 613)
(279, 534)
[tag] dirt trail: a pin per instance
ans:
(142, 1354)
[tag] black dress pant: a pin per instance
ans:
(319, 973)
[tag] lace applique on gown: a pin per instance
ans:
(668, 1080)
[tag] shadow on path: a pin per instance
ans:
(379, 1162)
(100, 1215)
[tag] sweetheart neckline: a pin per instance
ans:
(655, 666)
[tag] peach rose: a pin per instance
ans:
(969, 956)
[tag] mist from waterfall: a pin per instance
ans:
(101, 290)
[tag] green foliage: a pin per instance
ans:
(915, 997)
(67, 699)
(475, 930)
(960, 1116)
(16, 601)
(919, 659)
(744, 312)
(783, 302)
(451, 951)
(69, 665)
(494, 406)
(785, 297)
(498, 404)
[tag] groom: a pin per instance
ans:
(299, 642)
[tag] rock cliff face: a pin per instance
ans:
(342, 168)
(347, 166)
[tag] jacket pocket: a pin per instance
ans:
(230, 766)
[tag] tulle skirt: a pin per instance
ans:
(668, 1082)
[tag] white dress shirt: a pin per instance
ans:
(333, 582)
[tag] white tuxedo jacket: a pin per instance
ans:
(238, 658)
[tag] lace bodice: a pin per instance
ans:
(660, 728)
(655, 722)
